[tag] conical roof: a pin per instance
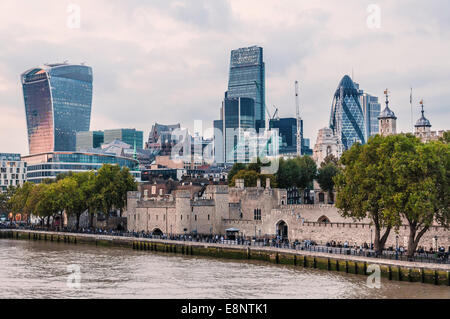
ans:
(423, 122)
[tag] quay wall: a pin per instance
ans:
(437, 274)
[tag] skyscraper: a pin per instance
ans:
(347, 117)
(371, 110)
(58, 101)
(247, 79)
(231, 131)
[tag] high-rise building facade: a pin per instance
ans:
(347, 118)
(287, 130)
(58, 101)
(89, 140)
(130, 136)
(247, 79)
(230, 132)
(371, 110)
(13, 171)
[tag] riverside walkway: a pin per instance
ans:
(349, 263)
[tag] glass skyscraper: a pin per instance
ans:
(237, 117)
(247, 79)
(371, 109)
(347, 118)
(58, 101)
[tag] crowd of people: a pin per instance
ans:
(365, 249)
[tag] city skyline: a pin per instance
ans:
(169, 62)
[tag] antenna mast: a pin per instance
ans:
(299, 121)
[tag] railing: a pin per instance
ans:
(425, 257)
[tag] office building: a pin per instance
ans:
(58, 101)
(13, 171)
(347, 118)
(130, 136)
(247, 80)
(232, 144)
(89, 140)
(371, 110)
(50, 165)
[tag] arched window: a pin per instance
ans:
(324, 219)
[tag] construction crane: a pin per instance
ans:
(299, 121)
(275, 114)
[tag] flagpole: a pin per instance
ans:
(412, 120)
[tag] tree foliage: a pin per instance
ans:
(393, 180)
(297, 172)
(75, 193)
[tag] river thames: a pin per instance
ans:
(40, 270)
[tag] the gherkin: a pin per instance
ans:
(347, 117)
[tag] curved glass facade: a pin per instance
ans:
(58, 101)
(50, 165)
(347, 118)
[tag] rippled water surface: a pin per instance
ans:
(39, 270)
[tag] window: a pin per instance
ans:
(195, 217)
(208, 217)
(257, 214)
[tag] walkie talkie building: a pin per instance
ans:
(58, 101)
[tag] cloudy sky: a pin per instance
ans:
(167, 61)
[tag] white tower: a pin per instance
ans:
(387, 119)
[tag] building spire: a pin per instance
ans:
(386, 92)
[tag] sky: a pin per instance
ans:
(167, 61)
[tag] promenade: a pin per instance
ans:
(438, 274)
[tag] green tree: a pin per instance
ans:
(110, 189)
(18, 201)
(308, 171)
(249, 176)
(420, 191)
(446, 137)
(234, 170)
(361, 185)
(5, 197)
(325, 176)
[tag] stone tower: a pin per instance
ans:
(423, 127)
(387, 119)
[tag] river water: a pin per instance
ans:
(40, 270)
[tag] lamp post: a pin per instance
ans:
(396, 246)
(436, 242)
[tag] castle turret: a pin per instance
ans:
(423, 126)
(387, 119)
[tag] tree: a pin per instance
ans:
(325, 177)
(5, 204)
(362, 185)
(308, 171)
(249, 176)
(446, 137)
(125, 184)
(420, 186)
(234, 170)
(110, 188)
(18, 201)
